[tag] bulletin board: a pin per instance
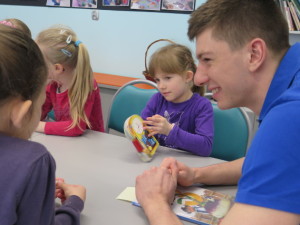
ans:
(166, 6)
(23, 2)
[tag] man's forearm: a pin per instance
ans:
(227, 173)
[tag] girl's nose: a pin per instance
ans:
(161, 85)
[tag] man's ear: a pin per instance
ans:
(189, 76)
(257, 53)
(19, 111)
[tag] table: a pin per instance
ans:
(106, 164)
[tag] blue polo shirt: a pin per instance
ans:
(271, 173)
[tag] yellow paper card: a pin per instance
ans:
(128, 195)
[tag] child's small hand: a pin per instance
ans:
(157, 124)
(71, 189)
(41, 127)
(59, 192)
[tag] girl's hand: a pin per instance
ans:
(41, 127)
(157, 124)
(59, 193)
(71, 189)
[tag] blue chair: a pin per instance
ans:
(50, 116)
(232, 133)
(128, 100)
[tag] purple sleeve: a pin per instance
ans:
(37, 201)
(201, 141)
(69, 212)
(37, 205)
(151, 106)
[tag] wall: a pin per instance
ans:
(294, 37)
(117, 41)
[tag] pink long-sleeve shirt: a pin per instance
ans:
(59, 102)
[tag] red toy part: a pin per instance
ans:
(137, 145)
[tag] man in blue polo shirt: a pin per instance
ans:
(245, 60)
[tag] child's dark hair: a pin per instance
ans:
(176, 59)
(23, 71)
(18, 24)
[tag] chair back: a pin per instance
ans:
(232, 132)
(128, 100)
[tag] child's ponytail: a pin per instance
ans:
(81, 87)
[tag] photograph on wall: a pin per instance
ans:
(59, 3)
(145, 4)
(179, 5)
(115, 3)
(84, 3)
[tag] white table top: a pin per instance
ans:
(106, 164)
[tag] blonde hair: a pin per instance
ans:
(63, 47)
(177, 59)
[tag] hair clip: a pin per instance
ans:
(69, 39)
(7, 23)
(77, 43)
(66, 52)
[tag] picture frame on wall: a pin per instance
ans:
(115, 3)
(84, 4)
(145, 5)
(178, 5)
(59, 3)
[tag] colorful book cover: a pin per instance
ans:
(146, 146)
(201, 206)
(194, 204)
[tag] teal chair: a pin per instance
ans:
(232, 133)
(51, 116)
(128, 100)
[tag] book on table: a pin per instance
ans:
(194, 204)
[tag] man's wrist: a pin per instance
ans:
(197, 175)
(151, 208)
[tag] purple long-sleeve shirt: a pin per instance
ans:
(27, 186)
(193, 119)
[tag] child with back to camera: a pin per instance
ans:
(73, 93)
(178, 116)
(27, 169)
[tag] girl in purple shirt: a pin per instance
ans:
(178, 115)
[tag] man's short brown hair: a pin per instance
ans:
(239, 21)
